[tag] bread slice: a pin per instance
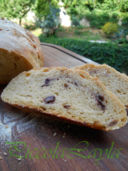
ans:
(114, 81)
(67, 94)
(19, 51)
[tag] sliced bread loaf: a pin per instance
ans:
(20, 51)
(67, 94)
(112, 79)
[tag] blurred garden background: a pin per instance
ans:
(96, 29)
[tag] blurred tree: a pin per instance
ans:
(42, 7)
(124, 5)
(15, 8)
(47, 12)
(78, 7)
(51, 22)
(97, 12)
(3, 8)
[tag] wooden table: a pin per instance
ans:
(28, 143)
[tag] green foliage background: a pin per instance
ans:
(15, 8)
(42, 7)
(98, 12)
(112, 54)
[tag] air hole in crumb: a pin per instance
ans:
(114, 122)
(123, 92)
(66, 106)
(118, 91)
(100, 101)
(81, 113)
(28, 74)
(76, 84)
(66, 85)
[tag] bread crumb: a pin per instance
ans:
(92, 104)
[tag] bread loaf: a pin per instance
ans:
(112, 79)
(19, 51)
(67, 94)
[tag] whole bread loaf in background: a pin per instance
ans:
(19, 51)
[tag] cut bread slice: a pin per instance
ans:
(112, 79)
(67, 94)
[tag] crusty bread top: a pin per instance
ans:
(14, 38)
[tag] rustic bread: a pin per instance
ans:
(67, 94)
(112, 79)
(19, 51)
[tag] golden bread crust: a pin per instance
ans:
(19, 44)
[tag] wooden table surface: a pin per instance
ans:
(29, 143)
